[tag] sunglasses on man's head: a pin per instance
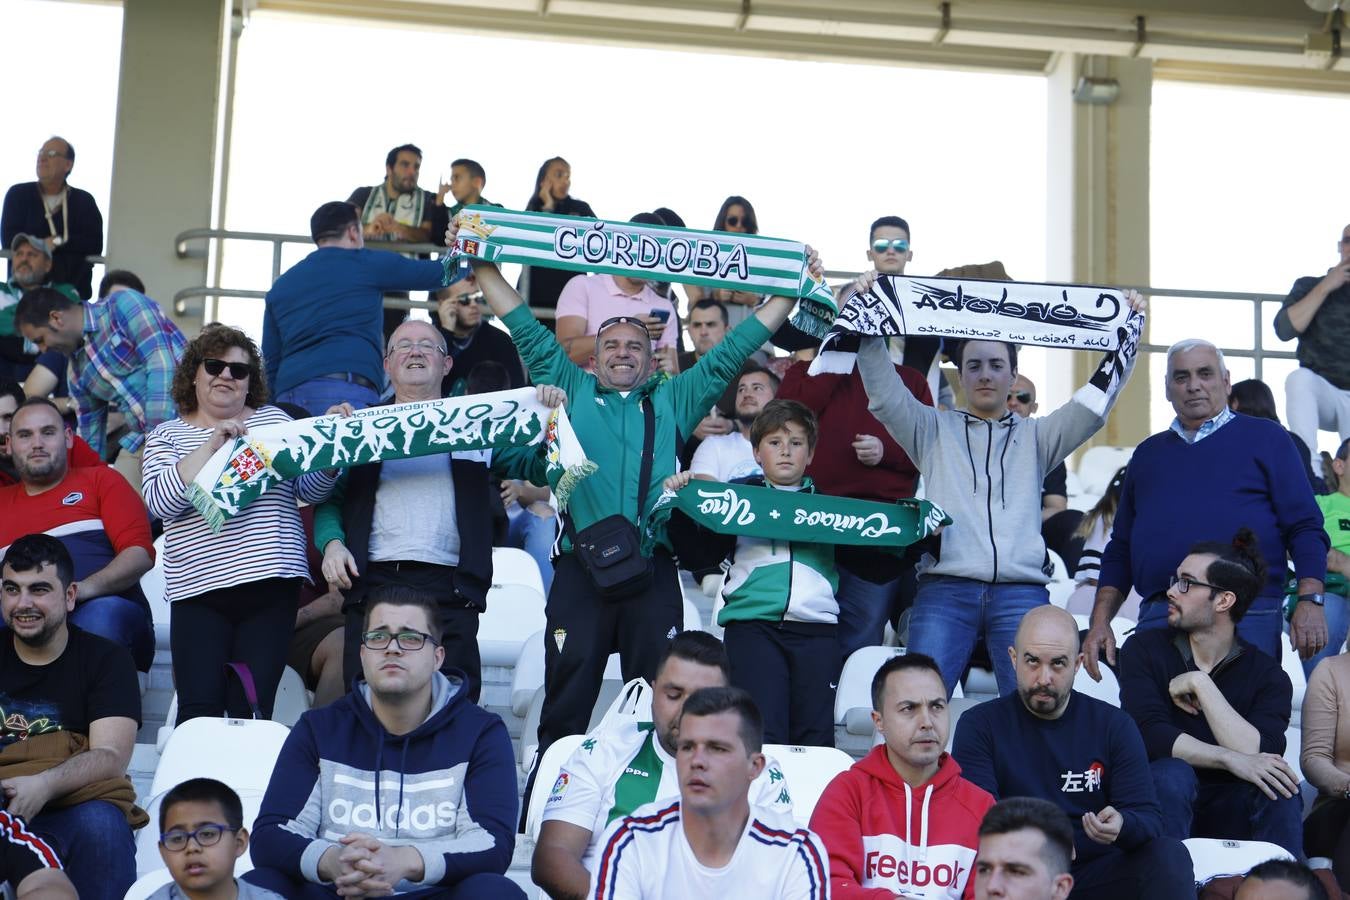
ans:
(238, 371)
(899, 245)
(1020, 396)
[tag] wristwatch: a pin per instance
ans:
(1315, 599)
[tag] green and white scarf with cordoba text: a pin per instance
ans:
(243, 470)
(718, 259)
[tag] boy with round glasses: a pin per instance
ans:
(404, 786)
(202, 833)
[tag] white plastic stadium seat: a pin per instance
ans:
(292, 698)
(1218, 859)
(549, 767)
(150, 882)
(1061, 584)
(855, 685)
(612, 690)
(528, 675)
(1108, 689)
(515, 607)
(239, 752)
(807, 771)
(152, 585)
(692, 620)
(1098, 465)
(1293, 667)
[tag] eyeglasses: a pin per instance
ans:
(733, 221)
(1022, 397)
(467, 300)
(238, 371)
(1184, 584)
(207, 835)
(406, 640)
(50, 154)
(899, 245)
(420, 346)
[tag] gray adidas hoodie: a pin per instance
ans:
(986, 474)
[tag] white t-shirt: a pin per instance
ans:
(624, 766)
(647, 856)
(724, 457)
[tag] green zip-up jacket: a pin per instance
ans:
(609, 425)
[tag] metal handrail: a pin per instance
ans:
(182, 247)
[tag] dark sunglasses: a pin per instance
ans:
(733, 221)
(899, 245)
(238, 371)
(1020, 396)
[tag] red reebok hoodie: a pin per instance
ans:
(886, 839)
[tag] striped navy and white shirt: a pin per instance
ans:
(646, 856)
(266, 540)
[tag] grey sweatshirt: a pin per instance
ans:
(986, 474)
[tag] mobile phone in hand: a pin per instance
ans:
(662, 314)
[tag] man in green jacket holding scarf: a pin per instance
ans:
(606, 409)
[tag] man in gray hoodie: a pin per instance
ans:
(984, 465)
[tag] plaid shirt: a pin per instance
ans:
(126, 364)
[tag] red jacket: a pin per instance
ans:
(886, 839)
(840, 403)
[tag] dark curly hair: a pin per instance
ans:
(1237, 567)
(212, 343)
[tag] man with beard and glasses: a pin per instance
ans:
(1213, 710)
(71, 709)
(96, 514)
(30, 266)
(1082, 754)
(723, 457)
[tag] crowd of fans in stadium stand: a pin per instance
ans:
(1225, 539)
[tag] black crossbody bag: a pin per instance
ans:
(610, 549)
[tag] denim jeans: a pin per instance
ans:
(318, 395)
(95, 844)
(121, 621)
(864, 609)
(535, 535)
(1262, 626)
(951, 613)
(1234, 810)
(1159, 869)
(1337, 612)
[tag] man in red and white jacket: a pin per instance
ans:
(902, 822)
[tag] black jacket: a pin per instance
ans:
(473, 518)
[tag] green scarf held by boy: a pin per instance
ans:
(771, 514)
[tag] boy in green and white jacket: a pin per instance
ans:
(781, 615)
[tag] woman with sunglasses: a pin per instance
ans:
(234, 593)
(738, 217)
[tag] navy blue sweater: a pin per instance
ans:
(1252, 682)
(1175, 494)
(1089, 758)
(448, 788)
(325, 314)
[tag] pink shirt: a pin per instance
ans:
(596, 298)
